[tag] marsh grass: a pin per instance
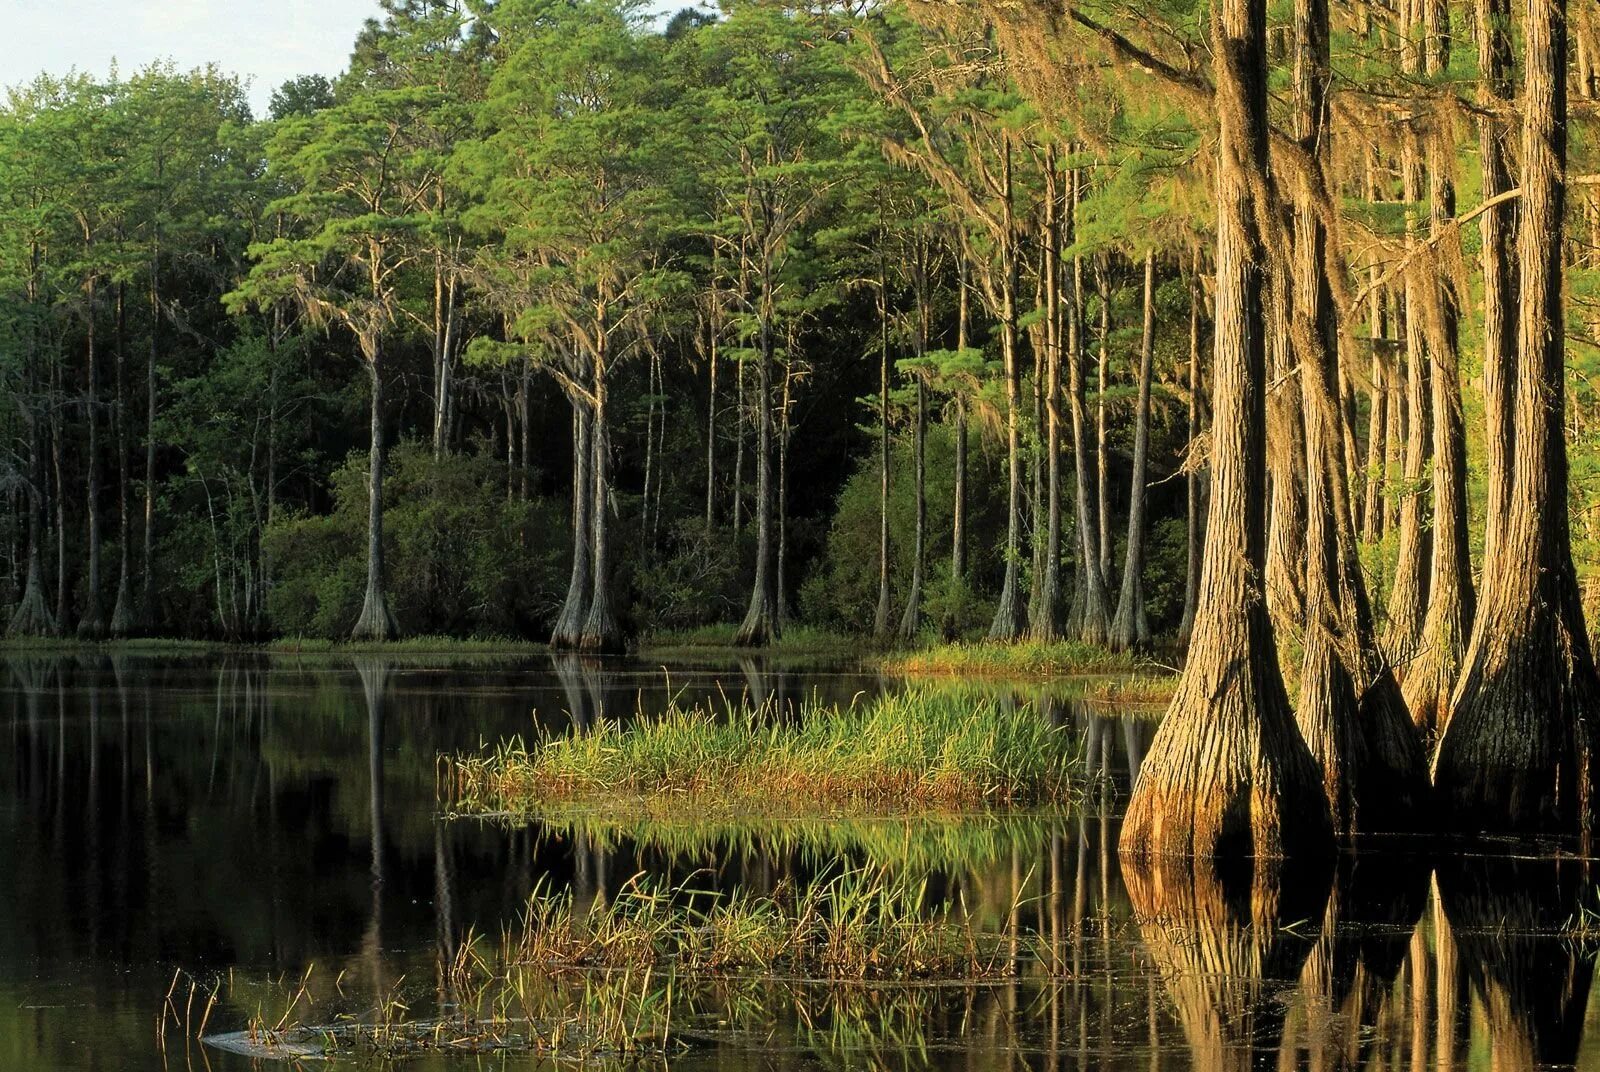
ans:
(484, 1008)
(919, 749)
(1026, 659)
(858, 925)
(640, 977)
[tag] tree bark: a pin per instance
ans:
(1431, 677)
(1519, 752)
(1009, 617)
(601, 635)
(1227, 773)
(761, 624)
(911, 618)
(1408, 599)
(1193, 488)
(92, 624)
(1045, 617)
(1286, 466)
(375, 621)
(958, 524)
(1497, 228)
(1102, 449)
(1350, 711)
(1092, 627)
(1377, 435)
(1130, 629)
(147, 594)
(575, 610)
(123, 618)
(880, 619)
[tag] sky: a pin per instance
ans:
(268, 41)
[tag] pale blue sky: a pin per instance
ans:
(269, 41)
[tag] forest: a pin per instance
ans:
(1268, 333)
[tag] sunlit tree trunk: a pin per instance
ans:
(1519, 752)
(1009, 616)
(1044, 621)
(1350, 710)
(1194, 489)
(575, 610)
(1408, 599)
(1227, 772)
(1497, 228)
(1431, 677)
(761, 623)
(375, 621)
(1094, 622)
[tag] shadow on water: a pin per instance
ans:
(243, 817)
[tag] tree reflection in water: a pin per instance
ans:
(248, 815)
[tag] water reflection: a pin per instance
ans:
(246, 817)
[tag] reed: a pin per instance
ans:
(918, 749)
(1027, 659)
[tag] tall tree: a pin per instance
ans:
(1520, 750)
(1227, 772)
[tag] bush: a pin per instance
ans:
(842, 590)
(461, 558)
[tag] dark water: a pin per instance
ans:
(242, 819)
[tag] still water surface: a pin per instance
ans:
(243, 818)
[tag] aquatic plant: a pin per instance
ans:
(859, 924)
(922, 748)
(1024, 659)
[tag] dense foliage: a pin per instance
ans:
(844, 303)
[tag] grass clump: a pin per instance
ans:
(922, 749)
(859, 925)
(1024, 659)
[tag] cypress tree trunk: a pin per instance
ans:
(761, 625)
(1408, 600)
(1497, 228)
(1044, 619)
(31, 618)
(147, 594)
(1193, 487)
(958, 524)
(911, 619)
(713, 332)
(1009, 617)
(92, 624)
(601, 634)
(880, 619)
(738, 453)
(1102, 452)
(60, 496)
(1377, 435)
(1519, 752)
(1094, 624)
(1350, 710)
(1394, 450)
(1286, 464)
(1431, 678)
(1130, 628)
(375, 621)
(122, 615)
(1227, 772)
(575, 610)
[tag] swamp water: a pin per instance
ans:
(268, 827)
